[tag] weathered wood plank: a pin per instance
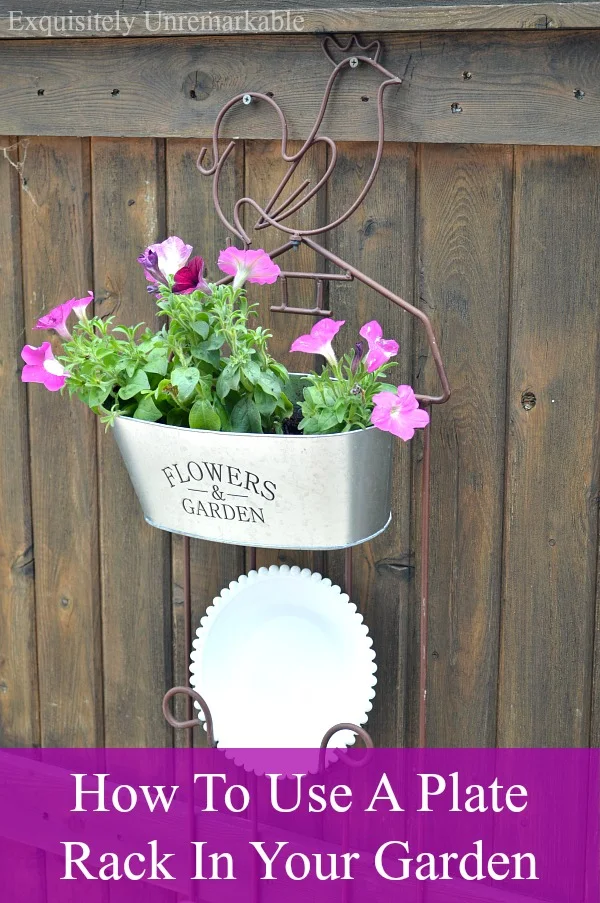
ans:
(19, 715)
(260, 183)
(465, 196)
(190, 214)
(379, 239)
(173, 17)
(551, 510)
(503, 87)
(19, 701)
(128, 213)
(55, 218)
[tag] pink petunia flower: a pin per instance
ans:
(190, 279)
(380, 349)
(398, 413)
(42, 367)
(164, 259)
(248, 266)
(318, 341)
(56, 319)
(78, 305)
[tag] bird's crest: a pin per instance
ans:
(336, 51)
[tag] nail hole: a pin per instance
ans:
(528, 401)
(193, 94)
(578, 94)
(130, 202)
(364, 98)
(115, 92)
(270, 94)
(467, 75)
(456, 108)
(40, 92)
(435, 655)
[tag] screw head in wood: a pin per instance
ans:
(247, 99)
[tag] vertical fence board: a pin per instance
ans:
(19, 724)
(260, 182)
(463, 248)
(57, 266)
(378, 239)
(190, 214)
(19, 703)
(551, 479)
(128, 210)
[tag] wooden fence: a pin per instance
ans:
(494, 233)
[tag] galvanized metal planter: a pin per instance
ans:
(271, 491)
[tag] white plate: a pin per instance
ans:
(281, 656)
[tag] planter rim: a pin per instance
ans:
(189, 429)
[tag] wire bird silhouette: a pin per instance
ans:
(276, 210)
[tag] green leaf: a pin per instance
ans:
(252, 372)
(228, 381)
(147, 410)
(177, 417)
(245, 417)
(158, 362)
(279, 371)
(185, 379)
(270, 383)
(201, 327)
(266, 404)
(138, 383)
(204, 417)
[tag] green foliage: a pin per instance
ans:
(206, 368)
(338, 400)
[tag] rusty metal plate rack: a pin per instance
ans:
(273, 216)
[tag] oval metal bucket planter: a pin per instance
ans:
(270, 491)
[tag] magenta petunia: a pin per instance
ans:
(42, 367)
(398, 413)
(56, 319)
(380, 349)
(190, 278)
(318, 340)
(79, 305)
(248, 266)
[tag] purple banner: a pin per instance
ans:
(455, 825)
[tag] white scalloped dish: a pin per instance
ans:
(281, 656)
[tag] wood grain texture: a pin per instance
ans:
(551, 510)
(168, 17)
(19, 701)
(190, 214)
(465, 196)
(128, 205)
(19, 725)
(55, 216)
(522, 87)
(379, 239)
